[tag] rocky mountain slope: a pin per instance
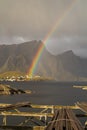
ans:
(64, 67)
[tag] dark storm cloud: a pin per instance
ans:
(26, 17)
(22, 20)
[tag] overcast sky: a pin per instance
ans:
(22, 20)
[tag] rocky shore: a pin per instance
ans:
(7, 90)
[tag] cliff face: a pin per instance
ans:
(64, 67)
(17, 57)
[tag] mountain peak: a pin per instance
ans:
(69, 52)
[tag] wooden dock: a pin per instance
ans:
(64, 119)
(82, 106)
(48, 117)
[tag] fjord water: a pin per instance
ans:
(50, 93)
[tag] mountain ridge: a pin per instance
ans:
(63, 67)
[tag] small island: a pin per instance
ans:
(7, 90)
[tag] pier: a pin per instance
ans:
(64, 119)
(82, 106)
(43, 117)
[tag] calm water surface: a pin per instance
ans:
(51, 93)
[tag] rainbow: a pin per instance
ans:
(45, 40)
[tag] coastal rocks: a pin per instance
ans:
(7, 90)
